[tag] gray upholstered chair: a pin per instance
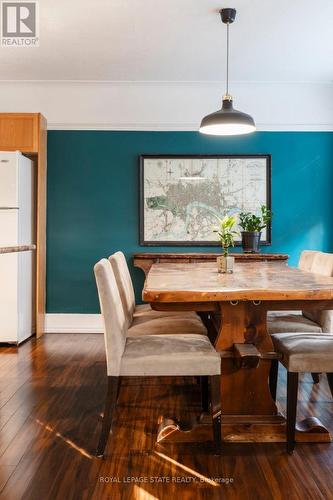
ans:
(138, 315)
(150, 355)
(302, 352)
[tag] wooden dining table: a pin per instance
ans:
(234, 308)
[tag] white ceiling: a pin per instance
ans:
(176, 40)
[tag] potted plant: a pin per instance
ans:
(226, 234)
(252, 225)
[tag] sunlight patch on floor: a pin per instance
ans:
(140, 493)
(187, 469)
(66, 440)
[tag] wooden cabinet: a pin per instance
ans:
(26, 132)
(19, 132)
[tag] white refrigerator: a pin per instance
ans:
(17, 270)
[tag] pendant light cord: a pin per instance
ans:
(227, 59)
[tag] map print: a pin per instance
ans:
(183, 197)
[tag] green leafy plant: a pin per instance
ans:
(226, 232)
(255, 223)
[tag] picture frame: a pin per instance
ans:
(181, 196)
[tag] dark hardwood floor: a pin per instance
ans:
(52, 393)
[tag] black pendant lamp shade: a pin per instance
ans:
(227, 121)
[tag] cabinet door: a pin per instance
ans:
(8, 180)
(19, 132)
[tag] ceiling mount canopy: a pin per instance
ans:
(227, 120)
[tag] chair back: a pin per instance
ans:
(322, 264)
(125, 285)
(115, 326)
(306, 260)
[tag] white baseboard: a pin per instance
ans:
(73, 323)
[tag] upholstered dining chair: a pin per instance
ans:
(138, 315)
(150, 355)
(322, 264)
(293, 321)
(306, 321)
(302, 352)
(167, 322)
(132, 310)
(306, 259)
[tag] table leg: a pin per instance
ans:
(245, 391)
(249, 413)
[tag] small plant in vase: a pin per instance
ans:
(226, 234)
(252, 225)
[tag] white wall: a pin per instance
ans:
(168, 105)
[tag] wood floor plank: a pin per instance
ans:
(50, 416)
(5, 472)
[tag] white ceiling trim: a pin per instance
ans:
(187, 127)
(88, 105)
(164, 83)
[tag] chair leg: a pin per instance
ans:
(315, 378)
(204, 393)
(215, 408)
(273, 378)
(110, 405)
(211, 331)
(292, 390)
(330, 381)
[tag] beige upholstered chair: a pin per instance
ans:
(291, 322)
(306, 259)
(150, 355)
(177, 324)
(306, 321)
(322, 264)
(138, 315)
(302, 352)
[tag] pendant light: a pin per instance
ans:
(227, 121)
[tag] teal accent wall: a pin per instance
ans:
(93, 194)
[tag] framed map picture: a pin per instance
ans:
(181, 196)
